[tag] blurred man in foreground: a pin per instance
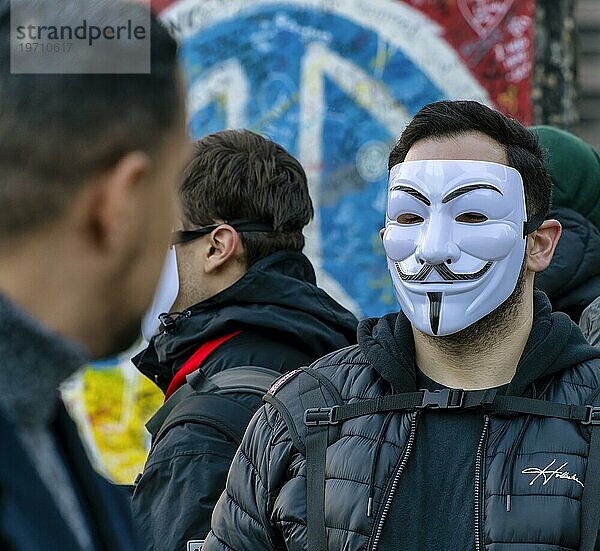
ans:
(88, 164)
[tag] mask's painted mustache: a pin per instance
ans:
(442, 269)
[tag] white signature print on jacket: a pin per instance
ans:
(548, 473)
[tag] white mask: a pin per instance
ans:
(164, 297)
(455, 240)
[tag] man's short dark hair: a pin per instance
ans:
(237, 174)
(444, 119)
(57, 130)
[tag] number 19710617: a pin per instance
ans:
(41, 47)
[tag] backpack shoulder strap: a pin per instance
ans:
(160, 416)
(298, 391)
(215, 410)
(590, 502)
(195, 360)
(204, 400)
(308, 390)
(251, 379)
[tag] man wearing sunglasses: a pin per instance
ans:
(247, 296)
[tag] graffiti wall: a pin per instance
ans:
(111, 402)
(333, 81)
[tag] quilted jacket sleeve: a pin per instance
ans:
(182, 480)
(241, 520)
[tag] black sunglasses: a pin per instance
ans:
(184, 236)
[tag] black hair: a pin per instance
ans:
(452, 118)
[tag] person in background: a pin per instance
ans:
(88, 166)
(469, 419)
(590, 322)
(572, 281)
(247, 297)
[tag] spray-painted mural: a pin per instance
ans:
(335, 81)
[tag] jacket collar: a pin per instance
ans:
(554, 344)
(35, 362)
(278, 295)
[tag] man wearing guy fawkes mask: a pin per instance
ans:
(440, 430)
(455, 240)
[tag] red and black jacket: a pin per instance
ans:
(275, 317)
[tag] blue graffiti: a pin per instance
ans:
(269, 43)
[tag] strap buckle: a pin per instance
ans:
(446, 398)
(317, 417)
(592, 415)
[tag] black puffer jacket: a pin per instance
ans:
(264, 506)
(286, 321)
(572, 281)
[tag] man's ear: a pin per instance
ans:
(541, 245)
(113, 207)
(224, 244)
(381, 232)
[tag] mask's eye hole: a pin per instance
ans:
(471, 218)
(408, 218)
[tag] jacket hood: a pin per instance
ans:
(277, 294)
(554, 344)
(572, 281)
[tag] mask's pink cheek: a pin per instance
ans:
(400, 243)
(489, 242)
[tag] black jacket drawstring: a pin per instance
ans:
(378, 446)
(512, 456)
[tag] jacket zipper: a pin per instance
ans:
(479, 543)
(388, 503)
